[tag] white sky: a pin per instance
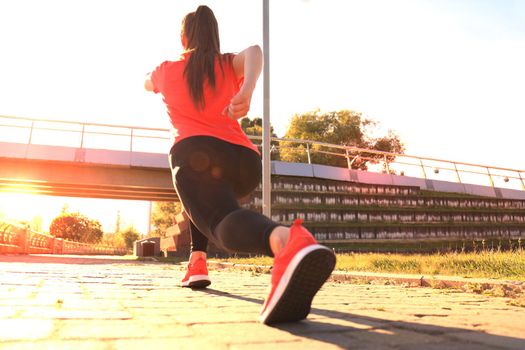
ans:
(446, 75)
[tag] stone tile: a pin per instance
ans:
(135, 305)
(214, 316)
(8, 311)
(392, 337)
(245, 333)
(282, 345)
(328, 325)
(450, 345)
(516, 342)
(53, 313)
(341, 340)
(29, 329)
(57, 345)
(188, 343)
(127, 329)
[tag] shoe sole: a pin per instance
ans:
(197, 281)
(305, 275)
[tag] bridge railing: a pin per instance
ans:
(12, 237)
(158, 140)
(19, 239)
(409, 165)
(70, 247)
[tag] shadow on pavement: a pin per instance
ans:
(372, 330)
(229, 295)
(369, 332)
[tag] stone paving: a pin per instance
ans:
(80, 303)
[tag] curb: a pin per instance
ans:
(478, 285)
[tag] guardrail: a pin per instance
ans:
(157, 140)
(19, 239)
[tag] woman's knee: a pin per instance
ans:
(245, 231)
(226, 230)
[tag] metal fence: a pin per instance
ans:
(158, 140)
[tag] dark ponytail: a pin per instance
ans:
(202, 33)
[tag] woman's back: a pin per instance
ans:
(189, 119)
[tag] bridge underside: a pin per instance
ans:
(83, 180)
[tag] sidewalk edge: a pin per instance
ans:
(508, 288)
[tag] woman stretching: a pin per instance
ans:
(213, 163)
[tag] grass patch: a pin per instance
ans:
(486, 264)
(256, 260)
(501, 265)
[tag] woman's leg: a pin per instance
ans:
(207, 178)
(199, 242)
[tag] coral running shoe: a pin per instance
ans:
(197, 275)
(298, 272)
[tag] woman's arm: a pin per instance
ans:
(248, 65)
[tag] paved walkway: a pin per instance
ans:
(102, 303)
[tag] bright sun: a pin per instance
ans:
(18, 206)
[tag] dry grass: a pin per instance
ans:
(485, 264)
(502, 265)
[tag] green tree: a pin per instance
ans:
(163, 215)
(114, 240)
(130, 235)
(346, 128)
(76, 227)
(253, 127)
(94, 233)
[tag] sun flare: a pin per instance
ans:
(19, 206)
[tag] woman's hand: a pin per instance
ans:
(239, 104)
(148, 84)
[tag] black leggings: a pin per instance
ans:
(210, 175)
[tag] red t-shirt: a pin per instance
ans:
(188, 120)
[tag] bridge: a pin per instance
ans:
(83, 160)
(124, 162)
(75, 159)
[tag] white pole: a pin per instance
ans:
(150, 209)
(266, 135)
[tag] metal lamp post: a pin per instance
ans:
(266, 135)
